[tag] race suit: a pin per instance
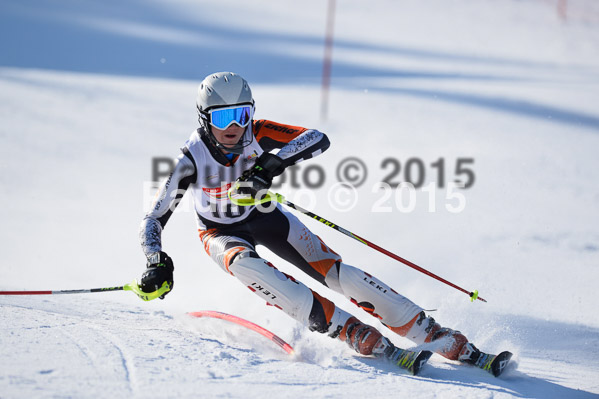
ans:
(230, 234)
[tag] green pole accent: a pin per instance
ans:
(248, 200)
(147, 296)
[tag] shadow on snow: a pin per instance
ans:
(143, 39)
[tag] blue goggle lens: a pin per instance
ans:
(223, 118)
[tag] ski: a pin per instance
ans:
(412, 361)
(494, 364)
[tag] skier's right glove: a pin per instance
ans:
(258, 178)
(159, 270)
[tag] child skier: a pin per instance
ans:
(230, 145)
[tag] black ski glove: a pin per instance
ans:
(160, 269)
(259, 177)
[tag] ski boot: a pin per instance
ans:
(412, 361)
(494, 364)
(367, 340)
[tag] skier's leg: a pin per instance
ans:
(237, 256)
(294, 242)
(283, 233)
(304, 305)
(397, 312)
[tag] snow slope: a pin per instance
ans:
(91, 92)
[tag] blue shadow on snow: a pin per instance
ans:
(109, 38)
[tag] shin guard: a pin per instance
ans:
(372, 295)
(291, 296)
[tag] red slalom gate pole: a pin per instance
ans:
(247, 324)
(327, 61)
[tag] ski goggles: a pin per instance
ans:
(222, 118)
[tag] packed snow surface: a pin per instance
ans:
(499, 94)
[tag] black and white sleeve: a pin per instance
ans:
(169, 195)
(305, 146)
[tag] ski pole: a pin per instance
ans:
(279, 198)
(133, 286)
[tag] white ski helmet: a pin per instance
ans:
(224, 90)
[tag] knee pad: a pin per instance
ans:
(224, 249)
(234, 253)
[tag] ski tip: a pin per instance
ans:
(420, 361)
(500, 362)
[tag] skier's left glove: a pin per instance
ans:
(159, 270)
(258, 178)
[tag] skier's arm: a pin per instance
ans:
(168, 197)
(305, 146)
(295, 143)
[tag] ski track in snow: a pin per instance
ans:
(135, 353)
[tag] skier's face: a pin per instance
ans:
(230, 136)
